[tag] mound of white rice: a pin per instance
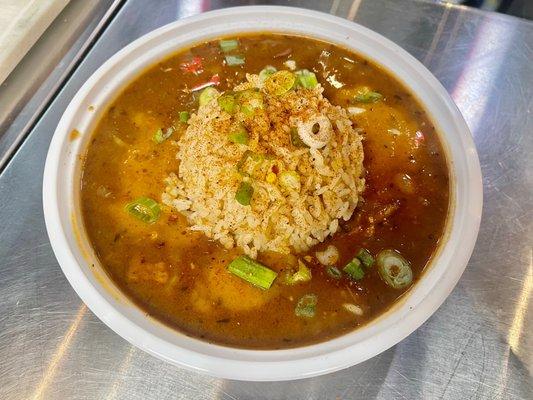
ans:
(299, 193)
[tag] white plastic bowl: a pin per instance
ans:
(64, 223)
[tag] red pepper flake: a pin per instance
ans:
(275, 169)
(214, 81)
(194, 65)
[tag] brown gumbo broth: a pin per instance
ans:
(180, 277)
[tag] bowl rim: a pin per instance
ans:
(266, 365)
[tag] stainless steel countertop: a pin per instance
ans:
(478, 345)
(32, 85)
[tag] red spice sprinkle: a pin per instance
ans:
(194, 66)
(214, 81)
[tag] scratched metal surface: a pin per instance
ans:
(478, 345)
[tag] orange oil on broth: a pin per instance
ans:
(180, 277)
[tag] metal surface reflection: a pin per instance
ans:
(516, 330)
(54, 363)
(477, 345)
(492, 42)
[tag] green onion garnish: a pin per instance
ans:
(302, 275)
(208, 94)
(227, 45)
(290, 180)
(306, 306)
(296, 140)
(240, 136)
(247, 110)
(365, 257)
(365, 95)
(334, 272)
(266, 72)
(252, 271)
(227, 102)
(160, 136)
(184, 116)
(244, 193)
(394, 269)
(306, 79)
(354, 269)
(280, 82)
(145, 209)
(234, 59)
(247, 154)
(249, 100)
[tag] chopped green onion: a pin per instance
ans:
(365, 257)
(290, 180)
(234, 60)
(245, 156)
(394, 269)
(240, 136)
(145, 209)
(306, 306)
(244, 193)
(354, 269)
(306, 79)
(266, 72)
(247, 110)
(252, 271)
(184, 116)
(208, 94)
(296, 140)
(227, 102)
(160, 136)
(227, 45)
(365, 95)
(249, 100)
(334, 272)
(280, 82)
(302, 275)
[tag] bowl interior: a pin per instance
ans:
(82, 268)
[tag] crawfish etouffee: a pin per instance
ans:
(265, 191)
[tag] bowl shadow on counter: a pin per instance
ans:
(365, 379)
